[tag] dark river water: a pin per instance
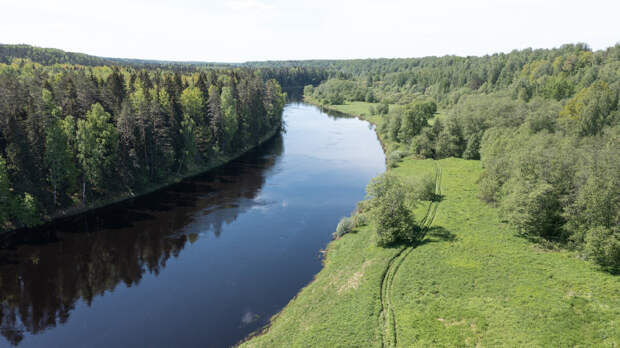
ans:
(201, 264)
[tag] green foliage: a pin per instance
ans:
(123, 128)
(393, 126)
(274, 102)
(473, 284)
(602, 244)
(391, 211)
(382, 108)
(337, 91)
(344, 226)
(590, 110)
(59, 158)
(229, 116)
(533, 208)
(15, 211)
(192, 102)
(425, 188)
(450, 141)
(97, 144)
(424, 144)
(556, 187)
(360, 219)
(394, 157)
(415, 117)
(188, 131)
(496, 161)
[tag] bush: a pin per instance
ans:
(391, 210)
(424, 144)
(383, 108)
(534, 208)
(425, 188)
(308, 90)
(360, 219)
(603, 245)
(394, 157)
(344, 226)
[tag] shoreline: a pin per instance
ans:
(470, 255)
(117, 199)
(327, 108)
(265, 329)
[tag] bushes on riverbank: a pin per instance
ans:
(389, 208)
(344, 226)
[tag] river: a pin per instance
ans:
(202, 263)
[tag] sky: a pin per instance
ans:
(251, 30)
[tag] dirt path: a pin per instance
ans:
(389, 336)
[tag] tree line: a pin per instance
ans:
(71, 135)
(544, 123)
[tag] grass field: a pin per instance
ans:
(356, 108)
(472, 282)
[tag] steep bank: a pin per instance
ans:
(474, 282)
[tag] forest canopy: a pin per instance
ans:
(72, 135)
(545, 123)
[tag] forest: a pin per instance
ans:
(545, 123)
(78, 131)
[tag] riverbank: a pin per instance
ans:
(473, 282)
(102, 203)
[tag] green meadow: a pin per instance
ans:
(472, 282)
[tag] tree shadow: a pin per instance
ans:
(434, 234)
(439, 234)
(437, 197)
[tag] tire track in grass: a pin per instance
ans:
(387, 311)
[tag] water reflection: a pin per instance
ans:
(45, 272)
(203, 263)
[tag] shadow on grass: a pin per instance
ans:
(437, 198)
(439, 234)
(434, 234)
(557, 243)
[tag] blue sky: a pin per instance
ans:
(242, 30)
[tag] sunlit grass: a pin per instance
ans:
(474, 282)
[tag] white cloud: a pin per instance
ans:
(241, 30)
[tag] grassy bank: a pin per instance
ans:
(472, 282)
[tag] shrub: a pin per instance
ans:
(603, 245)
(360, 219)
(383, 108)
(425, 188)
(391, 211)
(394, 157)
(344, 226)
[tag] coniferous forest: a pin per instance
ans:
(78, 131)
